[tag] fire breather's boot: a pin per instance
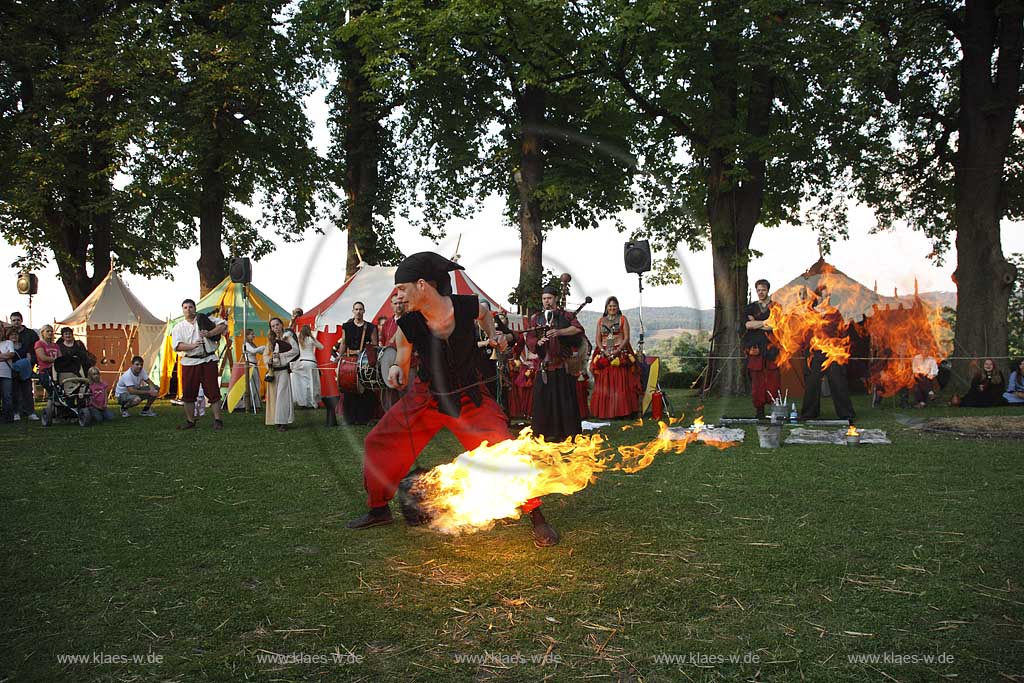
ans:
(544, 534)
(375, 517)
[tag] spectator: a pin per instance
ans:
(1015, 386)
(133, 388)
(27, 336)
(27, 339)
(98, 391)
(7, 356)
(22, 401)
(925, 371)
(74, 359)
(46, 353)
(986, 388)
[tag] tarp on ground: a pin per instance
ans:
(234, 302)
(114, 325)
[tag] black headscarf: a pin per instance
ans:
(428, 266)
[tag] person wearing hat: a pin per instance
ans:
(556, 409)
(447, 391)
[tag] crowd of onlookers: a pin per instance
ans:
(64, 365)
(67, 372)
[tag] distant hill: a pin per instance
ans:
(656, 318)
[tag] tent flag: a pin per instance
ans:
(236, 389)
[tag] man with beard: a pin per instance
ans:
(765, 378)
(447, 390)
(556, 410)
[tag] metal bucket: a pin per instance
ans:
(770, 436)
(852, 440)
(779, 414)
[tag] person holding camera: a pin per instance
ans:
(282, 348)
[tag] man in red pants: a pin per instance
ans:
(448, 390)
(765, 379)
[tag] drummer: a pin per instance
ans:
(359, 336)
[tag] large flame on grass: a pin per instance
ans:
(491, 482)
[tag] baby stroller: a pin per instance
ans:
(67, 397)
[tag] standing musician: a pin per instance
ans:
(447, 390)
(358, 333)
(196, 339)
(553, 335)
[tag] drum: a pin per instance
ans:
(369, 377)
(385, 359)
(348, 375)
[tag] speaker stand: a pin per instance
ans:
(640, 339)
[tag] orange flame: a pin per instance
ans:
(899, 334)
(803, 325)
(491, 482)
(698, 424)
(852, 431)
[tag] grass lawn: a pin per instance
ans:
(204, 553)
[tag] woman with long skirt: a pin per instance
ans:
(282, 348)
(252, 354)
(305, 376)
(616, 380)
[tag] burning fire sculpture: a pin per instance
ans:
(897, 333)
(491, 482)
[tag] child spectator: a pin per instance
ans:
(98, 390)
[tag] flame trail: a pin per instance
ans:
(491, 482)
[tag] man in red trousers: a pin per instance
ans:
(448, 390)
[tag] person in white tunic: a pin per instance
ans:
(305, 376)
(282, 348)
(252, 353)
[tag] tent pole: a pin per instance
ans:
(247, 399)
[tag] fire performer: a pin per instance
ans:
(834, 373)
(553, 336)
(762, 354)
(447, 391)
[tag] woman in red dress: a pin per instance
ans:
(520, 403)
(616, 381)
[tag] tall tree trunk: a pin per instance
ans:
(733, 210)
(84, 233)
(531, 174)
(212, 199)
(362, 149)
(988, 107)
(733, 217)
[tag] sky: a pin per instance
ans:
(304, 273)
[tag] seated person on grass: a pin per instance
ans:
(98, 391)
(1015, 385)
(134, 387)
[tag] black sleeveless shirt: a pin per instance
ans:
(448, 366)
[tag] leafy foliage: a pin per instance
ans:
(1015, 321)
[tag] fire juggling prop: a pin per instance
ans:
(492, 481)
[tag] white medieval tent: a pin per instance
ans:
(114, 325)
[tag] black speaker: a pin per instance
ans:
(637, 256)
(28, 283)
(241, 270)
